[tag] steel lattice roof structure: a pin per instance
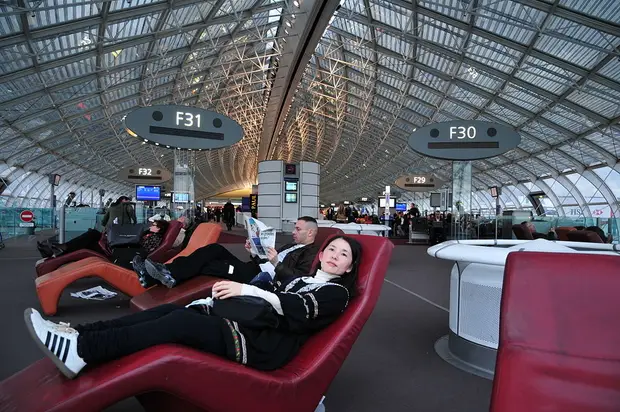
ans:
(340, 83)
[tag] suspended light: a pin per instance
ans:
(288, 23)
(296, 3)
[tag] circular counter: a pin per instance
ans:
(475, 295)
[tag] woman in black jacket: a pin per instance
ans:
(302, 306)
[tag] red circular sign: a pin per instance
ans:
(26, 216)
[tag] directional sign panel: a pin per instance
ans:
(183, 127)
(145, 174)
(418, 183)
(464, 140)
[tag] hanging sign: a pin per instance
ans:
(145, 174)
(183, 127)
(418, 183)
(464, 140)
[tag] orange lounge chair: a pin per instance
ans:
(49, 287)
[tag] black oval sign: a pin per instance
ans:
(464, 140)
(418, 183)
(145, 174)
(183, 127)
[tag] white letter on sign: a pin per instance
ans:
(179, 117)
(452, 132)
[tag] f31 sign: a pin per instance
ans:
(183, 127)
(464, 140)
(418, 183)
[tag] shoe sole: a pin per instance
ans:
(154, 273)
(142, 274)
(59, 364)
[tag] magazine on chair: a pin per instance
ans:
(260, 236)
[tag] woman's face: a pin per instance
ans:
(154, 228)
(337, 258)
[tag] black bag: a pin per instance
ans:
(125, 235)
(248, 311)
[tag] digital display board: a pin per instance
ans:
(183, 127)
(290, 186)
(180, 198)
(401, 207)
(464, 140)
(290, 198)
(382, 202)
(148, 193)
(435, 200)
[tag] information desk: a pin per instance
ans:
(475, 295)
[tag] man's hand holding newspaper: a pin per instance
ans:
(260, 239)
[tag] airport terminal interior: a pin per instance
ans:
(471, 147)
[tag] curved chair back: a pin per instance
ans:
(165, 250)
(562, 232)
(205, 234)
(584, 236)
(522, 233)
(558, 340)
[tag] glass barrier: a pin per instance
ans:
(18, 221)
(79, 219)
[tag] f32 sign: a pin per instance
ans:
(183, 127)
(464, 140)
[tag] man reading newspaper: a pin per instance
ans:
(289, 261)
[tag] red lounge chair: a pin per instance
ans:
(559, 335)
(161, 254)
(199, 287)
(176, 378)
(49, 287)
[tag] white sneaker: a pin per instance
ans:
(58, 342)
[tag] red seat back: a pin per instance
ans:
(322, 355)
(584, 236)
(165, 251)
(559, 334)
(522, 233)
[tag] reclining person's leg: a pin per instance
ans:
(128, 320)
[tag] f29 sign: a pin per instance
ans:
(183, 127)
(464, 140)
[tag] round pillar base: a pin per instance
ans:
(466, 355)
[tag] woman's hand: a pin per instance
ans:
(272, 256)
(226, 289)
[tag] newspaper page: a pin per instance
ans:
(261, 237)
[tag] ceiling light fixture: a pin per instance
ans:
(296, 3)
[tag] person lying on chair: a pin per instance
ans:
(300, 308)
(291, 261)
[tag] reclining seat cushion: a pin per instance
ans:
(522, 233)
(559, 340)
(587, 236)
(51, 264)
(198, 287)
(298, 386)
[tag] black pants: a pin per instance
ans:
(108, 340)
(213, 260)
(87, 240)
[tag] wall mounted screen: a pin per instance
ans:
(401, 207)
(290, 186)
(148, 193)
(382, 202)
(180, 198)
(290, 198)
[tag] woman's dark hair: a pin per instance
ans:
(120, 200)
(349, 280)
(162, 225)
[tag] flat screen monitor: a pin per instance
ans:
(290, 198)
(435, 199)
(382, 202)
(180, 198)
(146, 193)
(401, 207)
(290, 186)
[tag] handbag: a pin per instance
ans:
(125, 235)
(248, 311)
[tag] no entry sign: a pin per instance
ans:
(26, 216)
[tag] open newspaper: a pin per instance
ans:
(261, 236)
